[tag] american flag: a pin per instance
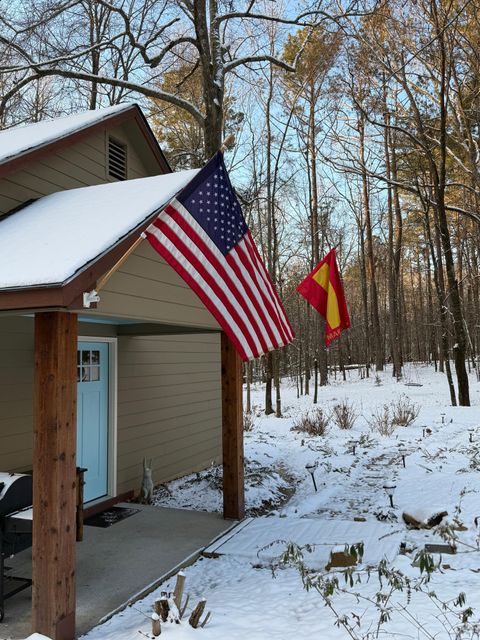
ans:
(203, 235)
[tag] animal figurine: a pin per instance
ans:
(146, 490)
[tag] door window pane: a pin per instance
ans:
(88, 365)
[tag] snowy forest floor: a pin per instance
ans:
(442, 473)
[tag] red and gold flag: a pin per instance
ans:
(322, 288)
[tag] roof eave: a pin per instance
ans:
(131, 112)
(69, 294)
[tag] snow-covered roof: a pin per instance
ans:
(48, 241)
(19, 140)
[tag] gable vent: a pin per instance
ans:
(117, 159)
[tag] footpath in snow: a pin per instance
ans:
(251, 596)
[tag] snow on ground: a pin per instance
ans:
(442, 474)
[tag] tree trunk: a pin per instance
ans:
(211, 63)
(377, 336)
(440, 289)
(363, 277)
(391, 280)
(268, 383)
(439, 180)
(315, 233)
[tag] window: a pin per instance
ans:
(117, 159)
(88, 365)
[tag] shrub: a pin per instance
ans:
(404, 411)
(313, 422)
(382, 421)
(248, 421)
(344, 415)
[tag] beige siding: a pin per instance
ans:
(136, 165)
(146, 287)
(169, 400)
(96, 330)
(16, 387)
(16, 393)
(169, 406)
(81, 164)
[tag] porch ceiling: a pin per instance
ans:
(119, 562)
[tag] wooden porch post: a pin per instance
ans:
(232, 432)
(54, 477)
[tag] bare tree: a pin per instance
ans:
(138, 42)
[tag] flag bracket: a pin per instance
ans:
(90, 297)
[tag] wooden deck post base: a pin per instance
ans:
(54, 475)
(232, 432)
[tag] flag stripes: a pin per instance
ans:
(235, 287)
(241, 287)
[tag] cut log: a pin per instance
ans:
(185, 605)
(423, 520)
(339, 557)
(161, 608)
(207, 618)
(156, 626)
(178, 591)
(173, 612)
(197, 613)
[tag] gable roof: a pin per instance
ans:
(22, 144)
(52, 240)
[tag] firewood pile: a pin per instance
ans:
(171, 607)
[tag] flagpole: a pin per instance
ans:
(104, 279)
(92, 296)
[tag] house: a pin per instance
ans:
(145, 371)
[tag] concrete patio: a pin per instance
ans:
(117, 563)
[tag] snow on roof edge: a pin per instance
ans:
(12, 147)
(72, 230)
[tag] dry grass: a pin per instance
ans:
(248, 421)
(344, 415)
(381, 421)
(313, 422)
(399, 413)
(404, 411)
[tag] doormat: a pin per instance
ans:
(110, 516)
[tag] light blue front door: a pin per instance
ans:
(92, 417)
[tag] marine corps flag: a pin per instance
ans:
(322, 288)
